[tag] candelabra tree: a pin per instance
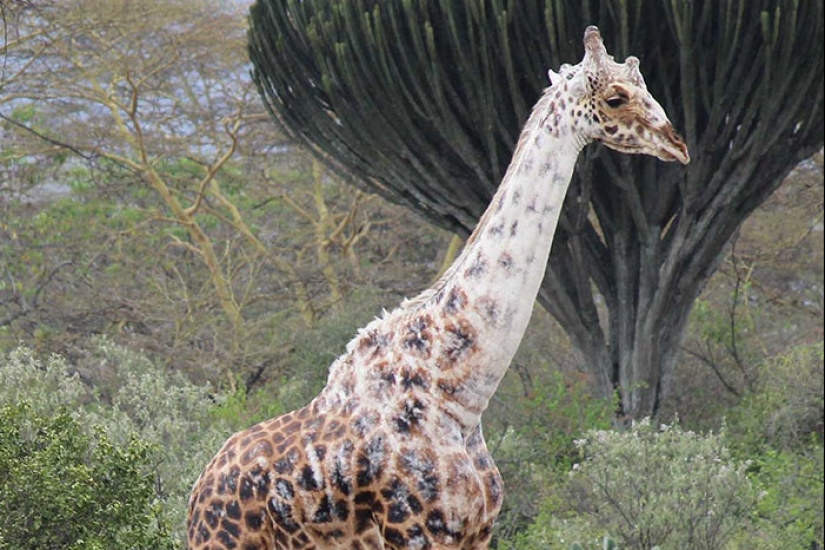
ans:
(421, 101)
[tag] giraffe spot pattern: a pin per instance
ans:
(460, 341)
(382, 459)
(478, 267)
(418, 336)
(456, 301)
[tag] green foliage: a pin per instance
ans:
(243, 408)
(534, 448)
(715, 326)
(790, 512)
(48, 385)
(134, 397)
(649, 486)
(778, 426)
(313, 350)
(785, 409)
(64, 488)
(607, 544)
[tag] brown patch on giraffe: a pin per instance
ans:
(259, 449)
(334, 431)
(494, 490)
(367, 341)
(372, 344)
(548, 209)
(370, 462)
(340, 478)
(478, 267)
(630, 139)
(546, 168)
(456, 300)
(461, 341)
(448, 387)
(490, 310)
(526, 165)
(501, 200)
(287, 443)
(258, 484)
(229, 533)
(363, 513)
(287, 462)
(506, 262)
(414, 379)
(421, 467)
(228, 481)
(419, 337)
(293, 426)
(408, 419)
(365, 422)
(385, 374)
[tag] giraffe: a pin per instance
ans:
(390, 455)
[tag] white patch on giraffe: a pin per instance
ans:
(417, 542)
(281, 508)
(315, 465)
(283, 490)
(260, 477)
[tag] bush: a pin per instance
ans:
(790, 513)
(648, 487)
(61, 488)
(180, 421)
(787, 407)
(532, 443)
(778, 426)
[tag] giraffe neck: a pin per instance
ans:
(491, 288)
(451, 345)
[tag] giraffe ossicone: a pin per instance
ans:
(390, 455)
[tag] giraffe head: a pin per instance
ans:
(612, 104)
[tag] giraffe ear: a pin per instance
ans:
(553, 77)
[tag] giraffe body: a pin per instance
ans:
(390, 455)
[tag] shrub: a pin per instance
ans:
(647, 487)
(778, 426)
(137, 396)
(47, 385)
(532, 444)
(63, 488)
(787, 405)
(790, 513)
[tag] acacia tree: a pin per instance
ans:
(150, 99)
(145, 194)
(422, 103)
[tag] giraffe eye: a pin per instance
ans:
(616, 101)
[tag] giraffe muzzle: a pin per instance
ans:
(672, 147)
